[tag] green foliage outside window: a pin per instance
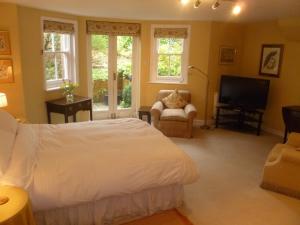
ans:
(169, 56)
(126, 97)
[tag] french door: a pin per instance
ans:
(114, 69)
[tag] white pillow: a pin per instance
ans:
(8, 131)
(23, 158)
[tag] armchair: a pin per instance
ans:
(282, 168)
(174, 122)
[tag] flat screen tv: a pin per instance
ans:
(244, 92)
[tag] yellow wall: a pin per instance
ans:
(32, 64)
(284, 90)
(199, 56)
(14, 91)
(35, 96)
(206, 39)
(223, 34)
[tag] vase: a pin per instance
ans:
(70, 98)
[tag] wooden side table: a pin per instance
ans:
(17, 210)
(145, 111)
(69, 109)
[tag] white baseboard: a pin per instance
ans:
(199, 123)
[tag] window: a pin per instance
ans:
(59, 52)
(169, 61)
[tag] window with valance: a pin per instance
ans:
(169, 59)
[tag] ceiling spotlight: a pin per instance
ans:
(184, 2)
(236, 10)
(216, 5)
(197, 4)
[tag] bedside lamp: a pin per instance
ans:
(3, 100)
(3, 103)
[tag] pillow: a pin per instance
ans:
(23, 158)
(8, 131)
(174, 100)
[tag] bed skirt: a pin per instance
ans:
(116, 209)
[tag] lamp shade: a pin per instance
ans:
(3, 100)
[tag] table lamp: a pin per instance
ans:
(3, 100)
(3, 103)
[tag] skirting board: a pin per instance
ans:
(199, 123)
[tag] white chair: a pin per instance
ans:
(282, 168)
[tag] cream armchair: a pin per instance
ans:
(174, 122)
(282, 168)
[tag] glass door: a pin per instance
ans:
(112, 73)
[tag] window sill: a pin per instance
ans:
(167, 82)
(53, 89)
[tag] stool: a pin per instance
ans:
(145, 111)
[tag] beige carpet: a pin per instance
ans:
(170, 217)
(228, 191)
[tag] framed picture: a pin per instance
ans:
(227, 55)
(6, 71)
(4, 43)
(271, 59)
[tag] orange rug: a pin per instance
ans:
(169, 217)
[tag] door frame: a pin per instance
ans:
(136, 70)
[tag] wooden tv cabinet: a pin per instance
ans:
(238, 118)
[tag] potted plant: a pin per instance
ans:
(68, 90)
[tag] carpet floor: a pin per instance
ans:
(170, 217)
(228, 192)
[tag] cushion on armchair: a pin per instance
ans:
(174, 100)
(174, 114)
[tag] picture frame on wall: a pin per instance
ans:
(6, 71)
(271, 60)
(227, 55)
(5, 48)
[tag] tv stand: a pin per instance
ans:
(239, 118)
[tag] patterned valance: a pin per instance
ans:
(58, 27)
(170, 32)
(113, 28)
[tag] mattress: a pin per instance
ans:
(73, 164)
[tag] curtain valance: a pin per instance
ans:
(58, 27)
(170, 32)
(113, 28)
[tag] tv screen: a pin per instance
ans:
(249, 93)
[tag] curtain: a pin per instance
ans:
(58, 27)
(113, 28)
(171, 33)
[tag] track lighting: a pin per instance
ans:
(197, 4)
(236, 10)
(215, 5)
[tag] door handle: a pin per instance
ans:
(115, 76)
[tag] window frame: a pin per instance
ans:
(154, 77)
(71, 56)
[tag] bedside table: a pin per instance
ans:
(17, 210)
(145, 111)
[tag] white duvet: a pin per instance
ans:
(69, 164)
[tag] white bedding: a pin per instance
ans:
(71, 164)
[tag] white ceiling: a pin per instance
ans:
(253, 10)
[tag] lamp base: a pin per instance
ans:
(3, 200)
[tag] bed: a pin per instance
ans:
(101, 172)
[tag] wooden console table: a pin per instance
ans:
(69, 109)
(291, 118)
